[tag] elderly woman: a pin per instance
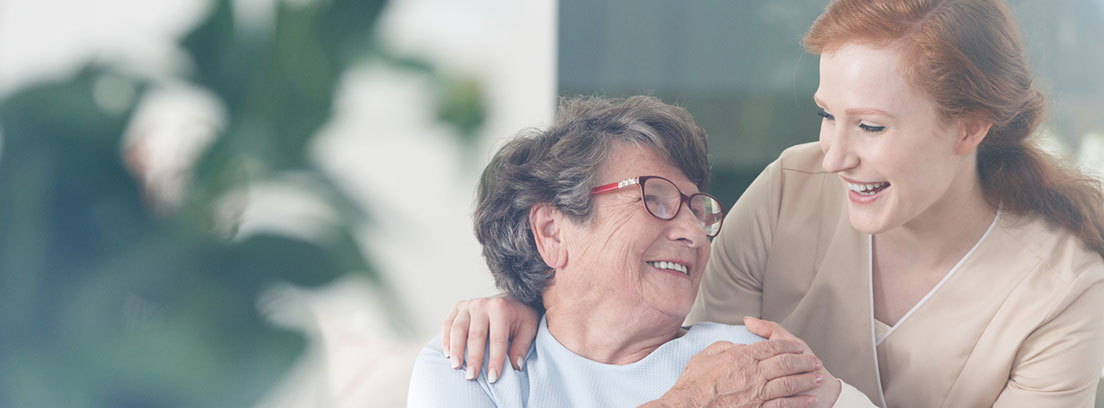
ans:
(600, 221)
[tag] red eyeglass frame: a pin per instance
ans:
(683, 197)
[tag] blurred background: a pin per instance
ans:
(268, 202)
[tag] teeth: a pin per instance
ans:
(866, 189)
(670, 265)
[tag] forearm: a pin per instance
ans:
(850, 397)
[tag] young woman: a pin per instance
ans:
(925, 250)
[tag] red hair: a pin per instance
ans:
(967, 57)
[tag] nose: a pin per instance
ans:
(686, 228)
(836, 144)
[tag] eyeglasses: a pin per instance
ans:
(663, 200)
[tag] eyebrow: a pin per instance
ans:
(858, 111)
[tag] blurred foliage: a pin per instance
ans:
(459, 98)
(105, 304)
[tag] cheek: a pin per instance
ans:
(928, 157)
(918, 175)
(703, 258)
(619, 243)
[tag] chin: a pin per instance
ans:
(674, 309)
(867, 223)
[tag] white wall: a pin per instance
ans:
(419, 187)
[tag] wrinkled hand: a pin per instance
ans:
(501, 319)
(764, 374)
(827, 393)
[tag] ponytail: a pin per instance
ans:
(1021, 178)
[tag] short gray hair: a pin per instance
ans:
(559, 166)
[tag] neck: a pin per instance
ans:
(599, 330)
(947, 230)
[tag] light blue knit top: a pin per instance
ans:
(554, 376)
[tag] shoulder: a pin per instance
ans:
(1061, 269)
(431, 367)
(709, 332)
(432, 356)
(794, 176)
(435, 383)
(1057, 251)
(808, 202)
(802, 158)
(798, 173)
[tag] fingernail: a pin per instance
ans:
(819, 379)
(455, 362)
(521, 362)
(819, 365)
(471, 373)
(492, 375)
(446, 351)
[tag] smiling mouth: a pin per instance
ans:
(677, 267)
(868, 189)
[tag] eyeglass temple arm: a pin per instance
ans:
(614, 186)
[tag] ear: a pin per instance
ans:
(974, 130)
(545, 222)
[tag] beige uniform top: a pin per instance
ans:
(1020, 322)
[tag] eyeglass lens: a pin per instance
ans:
(663, 200)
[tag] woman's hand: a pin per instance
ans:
(827, 393)
(502, 319)
(765, 374)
